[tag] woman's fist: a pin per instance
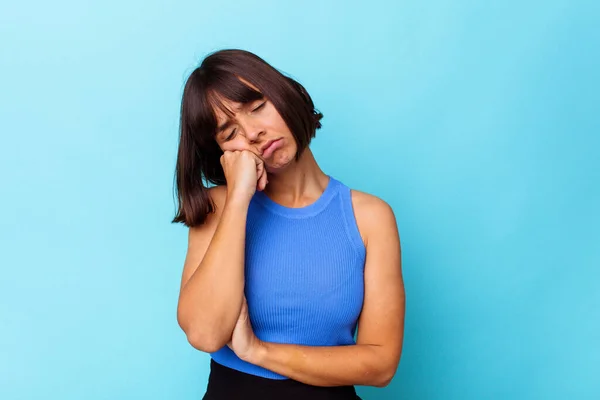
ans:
(245, 173)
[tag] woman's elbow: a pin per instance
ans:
(377, 374)
(201, 337)
(383, 381)
(205, 342)
(384, 378)
(385, 374)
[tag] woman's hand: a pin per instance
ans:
(245, 173)
(243, 341)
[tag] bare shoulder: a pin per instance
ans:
(218, 194)
(372, 214)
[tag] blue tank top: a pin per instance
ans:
(304, 274)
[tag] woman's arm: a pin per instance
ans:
(212, 284)
(374, 359)
(360, 364)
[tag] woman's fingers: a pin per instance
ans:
(261, 174)
(262, 181)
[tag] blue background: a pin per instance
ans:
(478, 122)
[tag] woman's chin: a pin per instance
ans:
(275, 168)
(272, 169)
(277, 163)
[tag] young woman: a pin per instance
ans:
(292, 281)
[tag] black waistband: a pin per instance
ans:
(225, 383)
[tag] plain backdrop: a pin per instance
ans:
(477, 121)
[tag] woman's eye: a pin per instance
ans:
(257, 108)
(231, 135)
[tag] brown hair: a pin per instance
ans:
(217, 77)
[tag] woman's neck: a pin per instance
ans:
(299, 184)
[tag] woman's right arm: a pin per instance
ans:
(212, 284)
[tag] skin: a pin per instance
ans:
(374, 359)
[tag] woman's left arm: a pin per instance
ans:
(374, 359)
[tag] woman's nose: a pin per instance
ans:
(253, 133)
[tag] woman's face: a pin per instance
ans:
(257, 127)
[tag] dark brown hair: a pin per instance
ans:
(217, 77)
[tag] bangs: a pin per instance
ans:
(229, 87)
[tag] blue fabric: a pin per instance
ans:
(304, 272)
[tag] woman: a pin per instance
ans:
(284, 262)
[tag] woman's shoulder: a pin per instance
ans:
(366, 203)
(369, 204)
(370, 212)
(218, 194)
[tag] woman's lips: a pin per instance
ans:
(272, 147)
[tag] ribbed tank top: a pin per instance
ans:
(304, 279)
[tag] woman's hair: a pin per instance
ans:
(218, 78)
